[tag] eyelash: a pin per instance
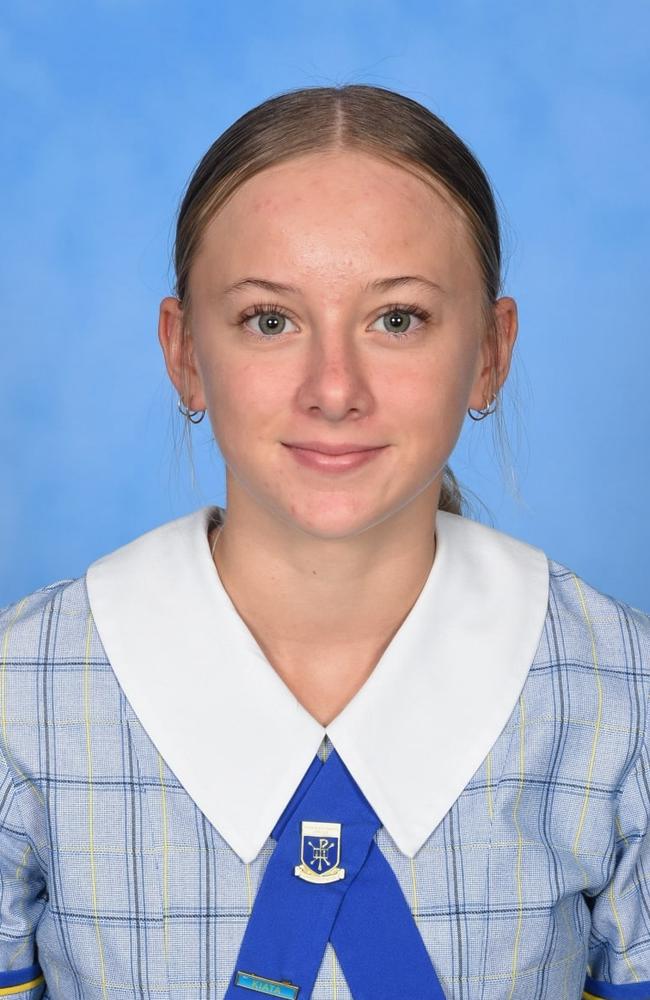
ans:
(271, 307)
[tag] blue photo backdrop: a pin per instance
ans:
(105, 109)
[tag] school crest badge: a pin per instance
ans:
(320, 852)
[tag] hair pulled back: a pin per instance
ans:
(351, 117)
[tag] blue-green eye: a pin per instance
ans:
(272, 321)
(397, 321)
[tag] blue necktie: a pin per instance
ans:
(328, 881)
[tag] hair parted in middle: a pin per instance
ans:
(355, 117)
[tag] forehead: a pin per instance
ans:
(336, 215)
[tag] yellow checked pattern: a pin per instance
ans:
(115, 883)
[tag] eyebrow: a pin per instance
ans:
(381, 285)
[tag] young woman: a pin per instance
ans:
(334, 739)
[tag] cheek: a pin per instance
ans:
(431, 394)
(246, 397)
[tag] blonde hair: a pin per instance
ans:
(350, 117)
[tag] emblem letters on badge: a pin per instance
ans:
(320, 852)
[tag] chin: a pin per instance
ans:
(333, 517)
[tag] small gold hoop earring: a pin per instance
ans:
(190, 414)
(487, 410)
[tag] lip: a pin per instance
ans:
(322, 448)
(334, 461)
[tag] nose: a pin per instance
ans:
(335, 378)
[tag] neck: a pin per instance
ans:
(302, 591)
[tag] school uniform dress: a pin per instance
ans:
(148, 750)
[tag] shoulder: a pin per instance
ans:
(50, 634)
(56, 685)
(612, 634)
(583, 632)
(591, 673)
(579, 618)
(56, 624)
(30, 625)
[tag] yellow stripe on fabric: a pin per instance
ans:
(250, 888)
(163, 797)
(15, 960)
(6, 991)
(91, 831)
(620, 830)
(590, 996)
(520, 911)
(594, 656)
(621, 934)
(3, 703)
(488, 773)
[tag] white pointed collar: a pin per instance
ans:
(240, 742)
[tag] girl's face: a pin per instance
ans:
(335, 300)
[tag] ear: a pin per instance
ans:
(496, 353)
(178, 350)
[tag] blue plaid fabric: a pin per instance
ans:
(115, 884)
